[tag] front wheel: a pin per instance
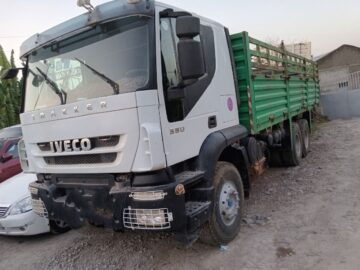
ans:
(225, 220)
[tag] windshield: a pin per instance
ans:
(112, 58)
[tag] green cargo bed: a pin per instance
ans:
(274, 84)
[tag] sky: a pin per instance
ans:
(326, 23)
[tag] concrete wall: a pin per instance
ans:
(341, 104)
(331, 79)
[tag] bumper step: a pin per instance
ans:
(197, 214)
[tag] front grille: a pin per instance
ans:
(81, 159)
(3, 211)
(139, 219)
(39, 208)
(97, 142)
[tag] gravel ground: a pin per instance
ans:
(298, 218)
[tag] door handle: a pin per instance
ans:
(212, 122)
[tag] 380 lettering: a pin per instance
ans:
(70, 145)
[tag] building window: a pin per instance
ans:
(343, 84)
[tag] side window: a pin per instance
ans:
(13, 150)
(178, 109)
(171, 72)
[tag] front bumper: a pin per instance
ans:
(24, 225)
(103, 201)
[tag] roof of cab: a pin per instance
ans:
(104, 12)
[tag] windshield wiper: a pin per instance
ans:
(113, 84)
(61, 93)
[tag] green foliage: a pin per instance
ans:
(10, 94)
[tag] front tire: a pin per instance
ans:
(226, 217)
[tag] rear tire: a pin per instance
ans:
(275, 159)
(58, 227)
(226, 217)
(305, 131)
(292, 157)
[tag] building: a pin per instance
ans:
(340, 69)
(339, 73)
(303, 49)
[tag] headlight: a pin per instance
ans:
(21, 207)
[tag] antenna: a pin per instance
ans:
(85, 4)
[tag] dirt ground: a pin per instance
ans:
(297, 218)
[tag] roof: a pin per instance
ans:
(322, 57)
(106, 11)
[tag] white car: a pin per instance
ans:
(16, 215)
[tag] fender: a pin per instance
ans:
(213, 147)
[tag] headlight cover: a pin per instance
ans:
(21, 207)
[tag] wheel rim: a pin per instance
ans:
(229, 203)
(306, 140)
(298, 145)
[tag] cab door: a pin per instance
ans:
(190, 110)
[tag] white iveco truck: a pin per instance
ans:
(131, 121)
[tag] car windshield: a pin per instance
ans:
(108, 59)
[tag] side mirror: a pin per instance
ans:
(190, 52)
(9, 74)
(187, 27)
(6, 158)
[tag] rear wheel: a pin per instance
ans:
(292, 156)
(305, 132)
(224, 223)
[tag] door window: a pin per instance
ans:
(177, 110)
(13, 150)
(171, 71)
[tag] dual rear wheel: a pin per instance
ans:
(298, 149)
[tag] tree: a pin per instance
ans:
(10, 93)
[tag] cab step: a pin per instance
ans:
(189, 177)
